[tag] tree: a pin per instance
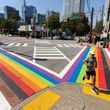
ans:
(80, 29)
(76, 24)
(69, 27)
(15, 16)
(53, 21)
(8, 24)
(99, 26)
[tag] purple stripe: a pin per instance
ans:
(65, 78)
(73, 67)
(44, 71)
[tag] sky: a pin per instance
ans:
(43, 5)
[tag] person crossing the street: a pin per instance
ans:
(91, 64)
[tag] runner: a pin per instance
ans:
(91, 64)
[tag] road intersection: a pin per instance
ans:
(26, 73)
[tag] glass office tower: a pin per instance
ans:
(72, 6)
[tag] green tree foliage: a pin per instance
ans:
(8, 24)
(68, 27)
(99, 26)
(15, 16)
(53, 21)
(76, 24)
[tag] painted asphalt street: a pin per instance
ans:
(26, 71)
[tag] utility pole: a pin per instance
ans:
(24, 4)
(24, 10)
(108, 16)
(91, 24)
(34, 23)
(92, 15)
(102, 17)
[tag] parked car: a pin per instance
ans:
(67, 37)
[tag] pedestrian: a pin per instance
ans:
(91, 64)
(105, 42)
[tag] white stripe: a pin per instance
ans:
(18, 44)
(108, 53)
(44, 47)
(34, 53)
(71, 45)
(61, 74)
(44, 68)
(47, 51)
(63, 55)
(59, 45)
(64, 71)
(10, 44)
(50, 57)
(77, 45)
(25, 44)
(66, 45)
(4, 105)
(48, 54)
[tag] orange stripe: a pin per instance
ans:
(17, 74)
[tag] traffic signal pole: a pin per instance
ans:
(91, 24)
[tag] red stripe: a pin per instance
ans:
(101, 73)
(24, 79)
(29, 91)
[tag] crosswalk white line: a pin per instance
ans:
(49, 57)
(25, 44)
(11, 44)
(18, 44)
(43, 42)
(4, 105)
(60, 45)
(47, 53)
(66, 45)
(63, 55)
(69, 45)
(45, 49)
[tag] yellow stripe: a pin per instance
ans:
(97, 83)
(43, 102)
(102, 95)
(25, 73)
(24, 79)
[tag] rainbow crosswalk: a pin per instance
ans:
(26, 78)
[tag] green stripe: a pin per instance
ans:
(29, 71)
(83, 71)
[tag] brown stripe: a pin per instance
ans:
(106, 70)
(107, 59)
(9, 94)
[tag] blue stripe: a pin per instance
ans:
(32, 68)
(75, 73)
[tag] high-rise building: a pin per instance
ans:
(1, 15)
(41, 18)
(29, 12)
(10, 11)
(106, 20)
(72, 6)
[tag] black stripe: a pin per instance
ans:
(106, 70)
(21, 95)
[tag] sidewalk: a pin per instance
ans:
(69, 97)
